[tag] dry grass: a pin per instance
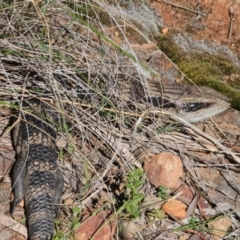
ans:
(63, 54)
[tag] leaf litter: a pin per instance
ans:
(60, 53)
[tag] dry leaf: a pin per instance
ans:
(98, 227)
(10, 223)
(219, 226)
(165, 30)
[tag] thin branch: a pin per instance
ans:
(231, 15)
(185, 8)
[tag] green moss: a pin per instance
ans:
(166, 44)
(204, 69)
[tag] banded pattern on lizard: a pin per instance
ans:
(36, 176)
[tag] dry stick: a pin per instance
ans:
(8, 45)
(185, 8)
(195, 129)
(231, 15)
(193, 204)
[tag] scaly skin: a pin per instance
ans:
(36, 176)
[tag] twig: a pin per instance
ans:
(196, 130)
(185, 8)
(231, 15)
(193, 204)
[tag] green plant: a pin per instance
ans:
(193, 224)
(155, 214)
(132, 199)
(162, 192)
(75, 223)
(76, 211)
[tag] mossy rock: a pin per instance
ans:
(204, 68)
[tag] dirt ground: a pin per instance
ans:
(208, 20)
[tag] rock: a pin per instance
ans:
(175, 208)
(164, 169)
(219, 226)
(129, 230)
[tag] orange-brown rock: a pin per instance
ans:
(164, 169)
(175, 208)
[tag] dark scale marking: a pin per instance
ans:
(38, 178)
(39, 204)
(47, 154)
(34, 126)
(195, 106)
(41, 230)
(36, 175)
